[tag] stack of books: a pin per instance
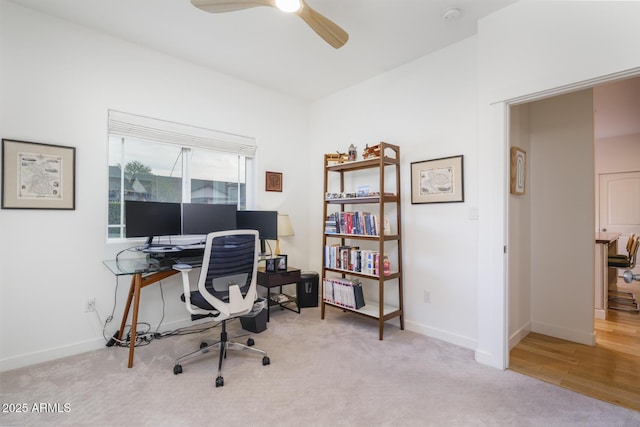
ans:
(356, 223)
(343, 292)
(352, 258)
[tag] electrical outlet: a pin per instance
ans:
(427, 296)
(90, 305)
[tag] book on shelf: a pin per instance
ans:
(358, 296)
(331, 224)
(343, 292)
(356, 223)
(352, 258)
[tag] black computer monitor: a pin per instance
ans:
(266, 222)
(150, 219)
(200, 218)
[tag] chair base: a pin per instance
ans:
(223, 345)
(623, 301)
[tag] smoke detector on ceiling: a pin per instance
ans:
(451, 14)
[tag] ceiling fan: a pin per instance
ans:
(325, 28)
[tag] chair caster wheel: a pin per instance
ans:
(219, 382)
(177, 369)
(266, 361)
(250, 342)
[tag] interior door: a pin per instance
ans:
(619, 205)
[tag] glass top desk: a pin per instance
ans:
(144, 272)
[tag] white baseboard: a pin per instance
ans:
(28, 359)
(49, 354)
(518, 335)
(581, 337)
(459, 340)
(488, 359)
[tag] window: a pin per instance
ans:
(161, 161)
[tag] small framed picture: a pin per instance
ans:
(518, 170)
(271, 264)
(38, 176)
(273, 181)
(282, 262)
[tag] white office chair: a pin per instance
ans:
(227, 289)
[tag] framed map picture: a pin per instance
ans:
(38, 176)
(437, 180)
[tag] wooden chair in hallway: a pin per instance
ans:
(625, 300)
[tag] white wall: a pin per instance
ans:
(58, 81)
(618, 154)
(428, 108)
(562, 216)
(525, 49)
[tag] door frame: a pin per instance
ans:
(505, 125)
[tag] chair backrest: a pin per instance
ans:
(229, 271)
(633, 253)
(630, 243)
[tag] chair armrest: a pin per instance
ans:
(184, 270)
(182, 267)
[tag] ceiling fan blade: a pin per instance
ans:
(220, 6)
(324, 27)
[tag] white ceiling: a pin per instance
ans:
(279, 51)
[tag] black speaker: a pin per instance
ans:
(307, 289)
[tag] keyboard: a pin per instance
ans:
(161, 249)
(194, 246)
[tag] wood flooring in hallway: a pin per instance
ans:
(608, 371)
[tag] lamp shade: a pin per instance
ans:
(284, 226)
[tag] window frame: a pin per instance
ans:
(188, 138)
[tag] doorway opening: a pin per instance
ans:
(551, 239)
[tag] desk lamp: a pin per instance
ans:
(284, 229)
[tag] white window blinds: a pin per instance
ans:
(134, 126)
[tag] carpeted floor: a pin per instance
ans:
(332, 372)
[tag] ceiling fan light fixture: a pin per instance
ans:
(288, 6)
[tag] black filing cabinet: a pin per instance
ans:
(307, 289)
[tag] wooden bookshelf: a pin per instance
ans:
(382, 202)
